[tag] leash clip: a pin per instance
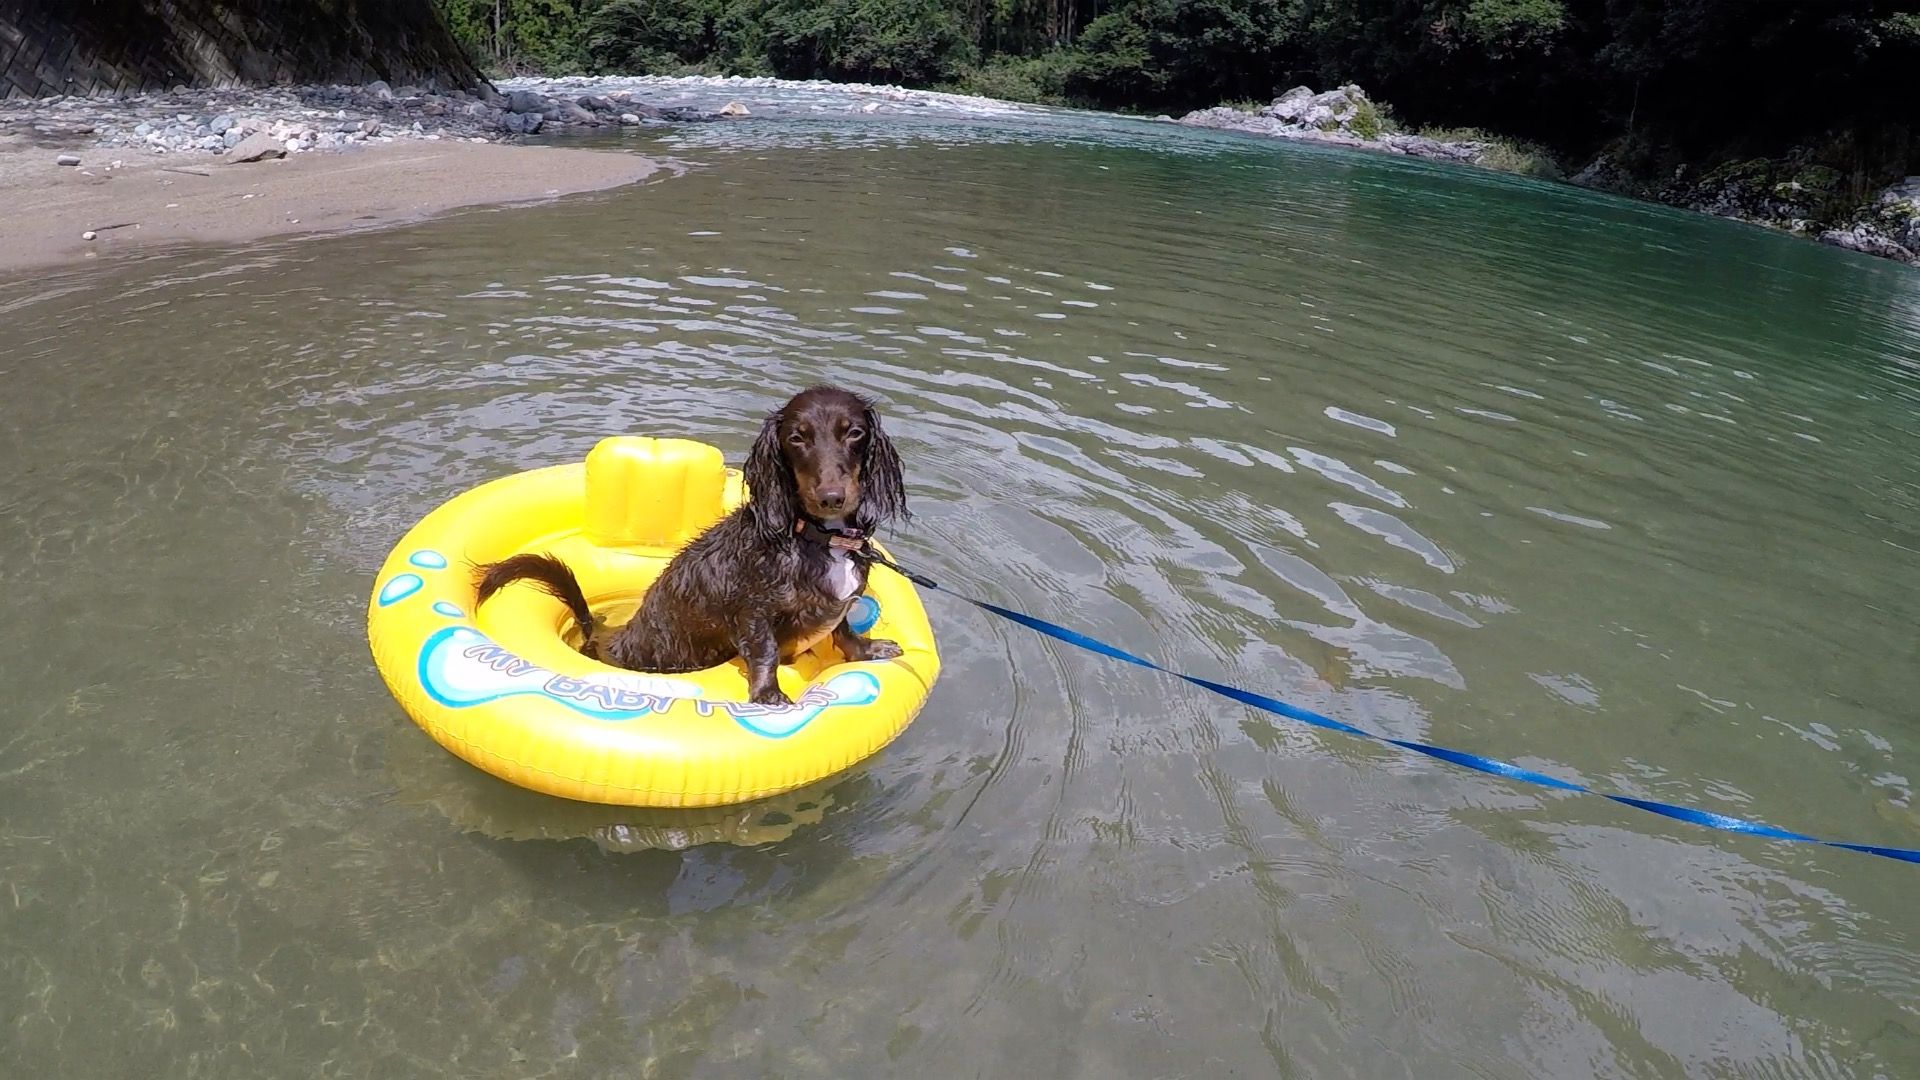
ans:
(921, 580)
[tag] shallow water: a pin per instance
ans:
(1608, 490)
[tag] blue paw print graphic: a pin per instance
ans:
(401, 586)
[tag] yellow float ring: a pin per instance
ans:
(500, 685)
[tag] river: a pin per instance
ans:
(1616, 492)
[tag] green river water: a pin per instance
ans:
(1608, 490)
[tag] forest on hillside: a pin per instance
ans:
(1655, 83)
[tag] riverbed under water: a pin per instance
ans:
(1618, 493)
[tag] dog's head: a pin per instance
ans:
(823, 455)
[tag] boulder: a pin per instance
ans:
(1868, 241)
(1289, 106)
(1907, 191)
(517, 123)
(256, 147)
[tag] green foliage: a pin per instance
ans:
(546, 34)
(1902, 27)
(1183, 52)
(1507, 26)
(664, 37)
(1372, 120)
(1663, 81)
(470, 21)
(1523, 158)
(1116, 63)
(909, 41)
(1036, 80)
(516, 35)
(1502, 153)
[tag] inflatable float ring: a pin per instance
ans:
(503, 688)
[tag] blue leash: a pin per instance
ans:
(1475, 762)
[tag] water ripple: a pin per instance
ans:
(1617, 493)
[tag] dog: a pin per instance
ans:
(775, 576)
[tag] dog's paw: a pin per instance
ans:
(773, 696)
(881, 649)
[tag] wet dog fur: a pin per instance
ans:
(754, 585)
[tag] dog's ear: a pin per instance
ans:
(774, 498)
(883, 491)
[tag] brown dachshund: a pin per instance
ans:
(771, 578)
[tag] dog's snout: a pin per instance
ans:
(833, 497)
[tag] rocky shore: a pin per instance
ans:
(248, 124)
(1794, 196)
(90, 178)
(1889, 226)
(237, 125)
(1342, 117)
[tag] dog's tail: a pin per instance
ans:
(550, 574)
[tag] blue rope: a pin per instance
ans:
(1475, 762)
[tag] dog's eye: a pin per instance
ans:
(797, 439)
(856, 434)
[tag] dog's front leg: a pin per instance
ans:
(761, 650)
(856, 648)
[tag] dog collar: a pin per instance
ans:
(834, 539)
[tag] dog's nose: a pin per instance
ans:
(833, 498)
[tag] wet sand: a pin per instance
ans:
(203, 199)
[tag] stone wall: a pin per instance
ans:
(52, 47)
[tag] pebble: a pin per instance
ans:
(88, 235)
(213, 122)
(67, 159)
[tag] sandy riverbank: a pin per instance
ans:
(153, 203)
